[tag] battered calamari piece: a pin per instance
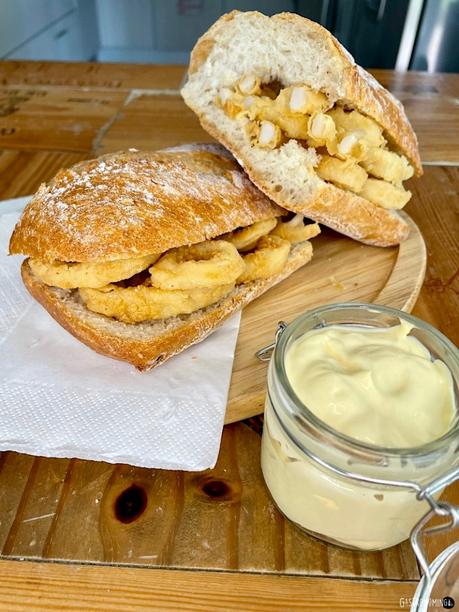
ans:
(280, 118)
(245, 238)
(89, 274)
(346, 174)
(322, 132)
(268, 259)
(144, 303)
(202, 265)
(385, 194)
(387, 165)
(295, 230)
(354, 122)
(189, 278)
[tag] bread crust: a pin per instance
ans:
(134, 203)
(342, 210)
(360, 88)
(339, 209)
(147, 354)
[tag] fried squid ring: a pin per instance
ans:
(142, 303)
(295, 230)
(269, 258)
(204, 265)
(246, 238)
(89, 274)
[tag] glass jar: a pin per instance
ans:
(328, 483)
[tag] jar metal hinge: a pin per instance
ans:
(264, 354)
(437, 508)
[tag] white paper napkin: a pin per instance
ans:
(59, 398)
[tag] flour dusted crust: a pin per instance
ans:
(134, 203)
(170, 198)
(294, 50)
(146, 345)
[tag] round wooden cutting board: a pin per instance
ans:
(341, 270)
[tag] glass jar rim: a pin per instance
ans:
(302, 411)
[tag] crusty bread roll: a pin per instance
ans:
(134, 203)
(290, 50)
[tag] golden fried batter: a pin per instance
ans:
(204, 265)
(346, 174)
(295, 230)
(385, 194)
(89, 274)
(368, 130)
(387, 165)
(268, 258)
(245, 239)
(142, 303)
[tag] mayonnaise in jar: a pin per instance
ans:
(366, 399)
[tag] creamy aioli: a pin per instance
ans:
(379, 386)
(342, 511)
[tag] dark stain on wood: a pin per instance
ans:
(130, 504)
(217, 489)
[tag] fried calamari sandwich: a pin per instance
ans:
(141, 254)
(314, 131)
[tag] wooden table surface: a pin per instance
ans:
(231, 549)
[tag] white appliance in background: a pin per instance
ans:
(48, 30)
(430, 37)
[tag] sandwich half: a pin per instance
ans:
(141, 254)
(314, 131)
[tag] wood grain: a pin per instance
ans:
(42, 586)
(405, 282)
(341, 270)
(153, 122)
(99, 76)
(220, 519)
(434, 118)
(59, 119)
(14, 477)
(431, 103)
(21, 172)
(415, 82)
(435, 209)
